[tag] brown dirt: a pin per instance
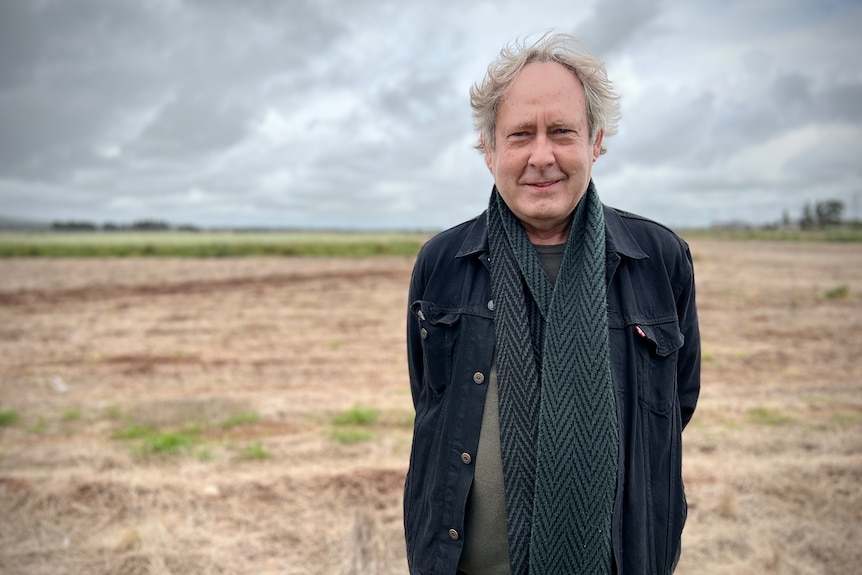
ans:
(773, 457)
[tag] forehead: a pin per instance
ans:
(544, 88)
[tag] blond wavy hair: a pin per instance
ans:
(603, 110)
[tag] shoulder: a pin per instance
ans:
(652, 246)
(647, 233)
(443, 256)
(466, 237)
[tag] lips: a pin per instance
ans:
(543, 184)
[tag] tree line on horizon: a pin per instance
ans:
(818, 215)
(147, 225)
(815, 215)
(825, 214)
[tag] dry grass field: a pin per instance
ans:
(252, 415)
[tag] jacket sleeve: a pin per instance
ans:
(688, 369)
(415, 358)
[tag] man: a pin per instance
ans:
(553, 350)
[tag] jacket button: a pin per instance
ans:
(454, 534)
(421, 315)
(491, 304)
(423, 333)
(465, 457)
(479, 377)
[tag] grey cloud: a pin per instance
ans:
(615, 23)
(791, 90)
(797, 99)
(704, 129)
(190, 125)
(122, 110)
(78, 67)
(842, 103)
(19, 48)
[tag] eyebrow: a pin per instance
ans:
(556, 123)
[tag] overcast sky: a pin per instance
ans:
(355, 113)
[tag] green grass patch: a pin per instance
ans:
(239, 419)
(40, 426)
(155, 442)
(730, 424)
(848, 233)
(167, 439)
(133, 432)
(351, 435)
(357, 416)
(281, 243)
(152, 441)
(838, 292)
(203, 431)
(207, 244)
(768, 417)
(255, 451)
(352, 426)
(845, 418)
(166, 443)
(71, 415)
(9, 417)
(205, 455)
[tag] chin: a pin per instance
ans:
(547, 212)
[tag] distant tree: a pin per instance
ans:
(73, 226)
(785, 219)
(150, 225)
(829, 213)
(808, 219)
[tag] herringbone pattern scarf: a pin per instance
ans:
(558, 422)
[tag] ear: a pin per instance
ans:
(597, 145)
(487, 149)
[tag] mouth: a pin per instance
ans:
(543, 185)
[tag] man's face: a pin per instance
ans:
(543, 157)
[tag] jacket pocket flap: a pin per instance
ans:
(665, 337)
(434, 314)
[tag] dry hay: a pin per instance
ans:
(279, 526)
(93, 348)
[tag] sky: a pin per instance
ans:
(355, 114)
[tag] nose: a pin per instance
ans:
(542, 154)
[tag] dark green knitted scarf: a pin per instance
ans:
(558, 421)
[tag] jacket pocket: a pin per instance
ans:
(660, 428)
(659, 354)
(438, 330)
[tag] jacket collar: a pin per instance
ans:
(618, 238)
(476, 240)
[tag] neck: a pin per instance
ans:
(548, 236)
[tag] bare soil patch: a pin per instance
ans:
(248, 361)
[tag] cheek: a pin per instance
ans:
(512, 162)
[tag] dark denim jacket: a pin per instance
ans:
(655, 356)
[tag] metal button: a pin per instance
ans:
(479, 377)
(465, 457)
(491, 304)
(423, 333)
(454, 534)
(421, 315)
